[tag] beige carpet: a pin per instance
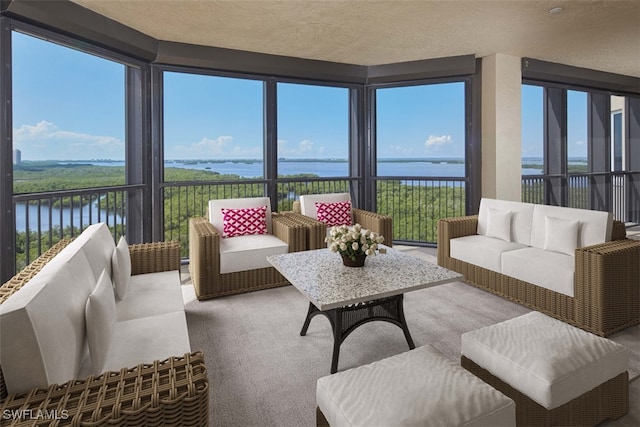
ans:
(262, 372)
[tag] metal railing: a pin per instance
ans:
(42, 219)
(578, 186)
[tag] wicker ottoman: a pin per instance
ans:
(418, 387)
(557, 374)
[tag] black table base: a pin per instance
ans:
(345, 320)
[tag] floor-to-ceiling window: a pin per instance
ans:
(213, 144)
(68, 143)
(312, 141)
(420, 143)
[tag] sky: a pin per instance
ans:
(70, 105)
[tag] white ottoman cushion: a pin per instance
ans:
(548, 360)
(418, 387)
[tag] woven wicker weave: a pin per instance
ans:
(607, 401)
(321, 420)
(204, 259)
(174, 391)
(606, 280)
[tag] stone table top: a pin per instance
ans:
(327, 283)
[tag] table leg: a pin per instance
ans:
(337, 336)
(403, 323)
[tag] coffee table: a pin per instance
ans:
(352, 296)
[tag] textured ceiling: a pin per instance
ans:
(601, 35)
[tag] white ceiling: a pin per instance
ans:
(597, 34)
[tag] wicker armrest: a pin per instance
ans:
(289, 231)
(316, 231)
(619, 230)
(450, 228)
(607, 286)
(154, 257)
(381, 224)
(204, 251)
(174, 391)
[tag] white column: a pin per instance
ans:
(501, 127)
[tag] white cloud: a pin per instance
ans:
(46, 141)
(305, 147)
(437, 140)
(579, 142)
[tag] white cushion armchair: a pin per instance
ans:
(320, 211)
(228, 250)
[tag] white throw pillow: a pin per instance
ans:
(100, 317)
(121, 267)
(499, 224)
(561, 235)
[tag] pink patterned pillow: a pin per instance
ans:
(245, 221)
(337, 213)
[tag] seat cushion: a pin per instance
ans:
(550, 270)
(249, 252)
(151, 294)
(548, 360)
(482, 251)
(147, 339)
(418, 387)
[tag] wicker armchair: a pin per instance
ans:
(174, 391)
(317, 231)
(207, 272)
(607, 296)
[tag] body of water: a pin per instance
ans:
(446, 168)
(255, 169)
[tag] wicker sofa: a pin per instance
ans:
(604, 292)
(52, 373)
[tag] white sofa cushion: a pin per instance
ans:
(499, 224)
(151, 294)
(215, 209)
(521, 214)
(42, 325)
(485, 252)
(418, 387)
(561, 235)
(98, 245)
(308, 202)
(156, 338)
(121, 267)
(249, 252)
(100, 314)
(550, 270)
(546, 359)
(595, 226)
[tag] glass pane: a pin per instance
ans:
(421, 130)
(532, 130)
(577, 131)
(313, 130)
(213, 127)
(68, 117)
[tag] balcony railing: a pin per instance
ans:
(42, 219)
(415, 203)
(577, 186)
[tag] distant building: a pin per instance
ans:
(17, 156)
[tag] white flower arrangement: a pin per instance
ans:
(353, 241)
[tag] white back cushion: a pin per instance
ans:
(100, 314)
(121, 266)
(595, 226)
(308, 202)
(521, 214)
(98, 245)
(215, 206)
(42, 326)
